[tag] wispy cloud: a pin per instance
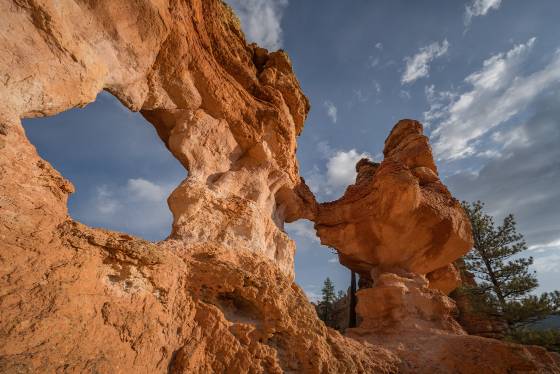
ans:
(339, 171)
(374, 61)
(480, 8)
(404, 94)
(341, 167)
(497, 92)
(548, 264)
(138, 207)
(516, 137)
(332, 111)
(541, 247)
(261, 20)
(303, 230)
(522, 179)
(418, 66)
(106, 203)
(360, 96)
(142, 189)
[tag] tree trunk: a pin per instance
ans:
(352, 311)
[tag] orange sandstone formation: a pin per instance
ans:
(398, 214)
(399, 226)
(218, 295)
(400, 229)
(230, 112)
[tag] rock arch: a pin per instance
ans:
(210, 299)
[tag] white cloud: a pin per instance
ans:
(361, 96)
(332, 111)
(418, 66)
(404, 95)
(545, 246)
(324, 148)
(374, 61)
(515, 137)
(138, 207)
(489, 153)
(379, 46)
(106, 203)
(437, 101)
(333, 260)
(143, 189)
(341, 167)
(548, 264)
(302, 229)
(498, 92)
(480, 8)
(261, 20)
(522, 181)
(340, 170)
(523, 178)
(315, 180)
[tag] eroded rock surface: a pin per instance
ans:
(229, 112)
(400, 229)
(218, 295)
(399, 226)
(398, 214)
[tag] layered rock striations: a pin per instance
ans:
(218, 295)
(399, 227)
(398, 214)
(229, 112)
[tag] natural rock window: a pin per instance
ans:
(120, 169)
(315, 262)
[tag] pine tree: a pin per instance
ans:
(326, 303)
(504, 280)
(550, 339)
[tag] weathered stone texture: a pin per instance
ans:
(218, 295)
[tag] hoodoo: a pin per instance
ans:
(399, 227)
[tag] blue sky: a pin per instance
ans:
(482, 75)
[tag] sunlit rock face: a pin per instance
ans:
(398, 214)
(218, 295)
(236, 136)
(229, 112)
(400, 229)
(404, 301)
(399, 226)
(445, 279)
